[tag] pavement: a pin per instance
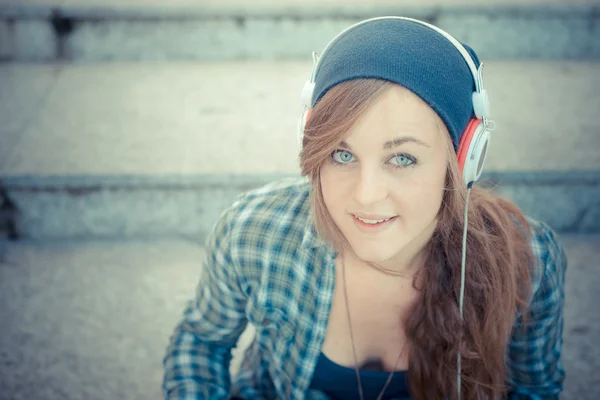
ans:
(90, 320)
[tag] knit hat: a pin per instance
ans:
(410, 54)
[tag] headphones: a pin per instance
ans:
(474, 143)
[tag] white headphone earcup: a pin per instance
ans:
(301, 125)
(476, 155)
(306, 97)
(307, 93)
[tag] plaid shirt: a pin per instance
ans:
(265, 265)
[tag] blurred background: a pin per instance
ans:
(127, 126)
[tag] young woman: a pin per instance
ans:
(358, 277)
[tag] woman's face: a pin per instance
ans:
(392, 164)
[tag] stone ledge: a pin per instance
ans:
(188, 206)
(428, 10)
(94, 33)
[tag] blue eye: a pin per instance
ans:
(342, 156)
(402, 159)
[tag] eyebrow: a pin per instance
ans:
(400, 140)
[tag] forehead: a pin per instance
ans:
(399, 112)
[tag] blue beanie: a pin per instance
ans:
(410, 54)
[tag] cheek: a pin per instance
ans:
(423, 194)
(331, 188)
(336, 195)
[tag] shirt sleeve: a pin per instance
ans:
(534, 364)
(196, 364)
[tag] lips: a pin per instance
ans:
(373, 227)
(368, 216)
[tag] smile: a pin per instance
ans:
(373, 225)
(372, 221)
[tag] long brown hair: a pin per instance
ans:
(498, 265)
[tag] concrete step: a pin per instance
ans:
(91, 319)
(130, 149)
(82, 30)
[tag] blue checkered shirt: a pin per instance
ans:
(265, 265)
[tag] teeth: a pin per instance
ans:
(372, 221)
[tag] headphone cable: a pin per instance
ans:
(462, 283)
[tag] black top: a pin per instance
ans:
(339, 382)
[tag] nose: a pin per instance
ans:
(371, 187)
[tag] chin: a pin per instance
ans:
(376, 253)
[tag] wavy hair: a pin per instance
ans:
(499, 260)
